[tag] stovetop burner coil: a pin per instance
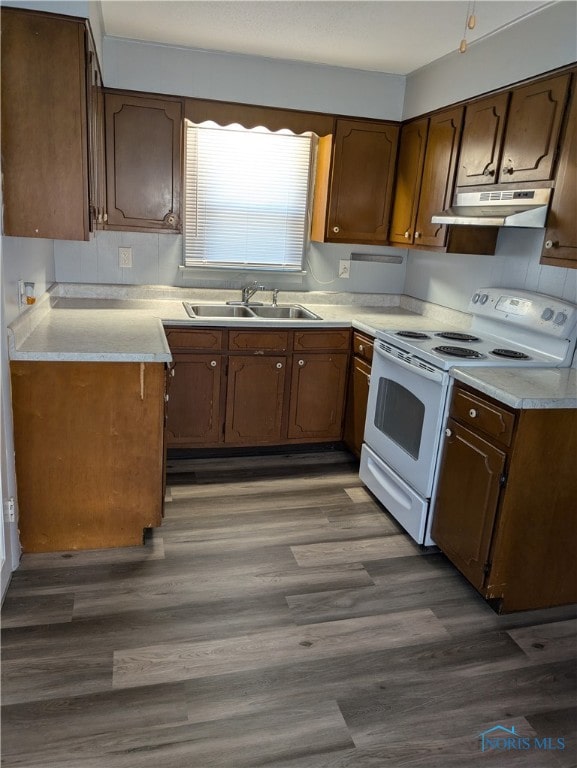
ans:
(458, 352)
(512, 353)
(412, 334)
(456, 336)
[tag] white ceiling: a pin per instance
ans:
(394, 36)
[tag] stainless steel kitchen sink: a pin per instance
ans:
(216, 310)
(289, 312)
(254, 311)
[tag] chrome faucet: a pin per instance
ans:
(249, 291)
(275, 297)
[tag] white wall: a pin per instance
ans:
(25, 258)
(450, 279)
(541, 42)
(137, 65)
(156, 261)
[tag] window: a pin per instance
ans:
(246, 197)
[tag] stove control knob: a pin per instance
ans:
(547, 314)
(560, 318)
(484, 298)
(476, 298)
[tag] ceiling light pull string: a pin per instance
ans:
(470, 22)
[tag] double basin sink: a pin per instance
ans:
(252, 311)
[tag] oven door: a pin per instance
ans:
(405, 415)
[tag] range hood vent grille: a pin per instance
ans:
(498, 208)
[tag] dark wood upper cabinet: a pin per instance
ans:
(532, 133)
(560, 244)
(438, 175)
(412, 147)
(144, 175)
(425, 178)
(353, 201)
(480, 156)
(44, 126)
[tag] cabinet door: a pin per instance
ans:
(560, 246)
(533, 129)
(44, 131)
(362, 181)
(143, 150)
(254, 401)
(480, 155)
(317, 399)
(408, 182)
(466, 502)
(194, 406)
(356, 410)
(438, 175)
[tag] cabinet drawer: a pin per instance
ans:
(363, 347)
(259, 341)
(181, 339)
(321, 340)
(483, 415)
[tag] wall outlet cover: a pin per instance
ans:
(125, 257)
(344, 268)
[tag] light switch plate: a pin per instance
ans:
(125, 257)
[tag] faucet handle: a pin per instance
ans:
(275, 296)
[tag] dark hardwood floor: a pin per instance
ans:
(277, 619)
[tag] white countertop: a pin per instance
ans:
(523, 388)
(66, 328)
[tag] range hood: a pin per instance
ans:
(498, 208)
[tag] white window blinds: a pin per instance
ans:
(246, 197)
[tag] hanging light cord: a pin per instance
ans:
(470, 22)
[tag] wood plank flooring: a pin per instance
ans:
(278, 619)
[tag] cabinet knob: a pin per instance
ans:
(508, 169)
(489, 172)
(473, 413)
(417, 235)
(361, 348)
(551, 244)
(279, 365)
(448, 432)
(336, 230)
(166, 398)
(407, 234)
(301, 363)
(213, 363)
(172, 372)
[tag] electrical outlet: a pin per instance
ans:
(125, 257)
(9, 510)
(345, 268)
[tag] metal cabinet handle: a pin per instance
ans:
(473, 413)
(301, 363)
(213, 363)
(336, 230)
(172, 372)
(448, 432)
(166, 398)
(279, 365)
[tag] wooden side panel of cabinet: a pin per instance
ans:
(195, 405)
(362, 181)
(318, 389)
(560, 244)
(143, 146)
(533, 127)
(356, 409)
(44, 126)
(480, 155)
(466, 502)
(89, 458)
(438, 175)
(408, 181)
(254, 401)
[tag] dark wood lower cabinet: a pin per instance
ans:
(317, 396)
(358, 392)
(504, 512)
(256, 387)
(255, 398)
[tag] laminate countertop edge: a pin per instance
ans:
(523, 388)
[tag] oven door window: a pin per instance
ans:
(399, 415)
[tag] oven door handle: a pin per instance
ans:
(433, 375)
